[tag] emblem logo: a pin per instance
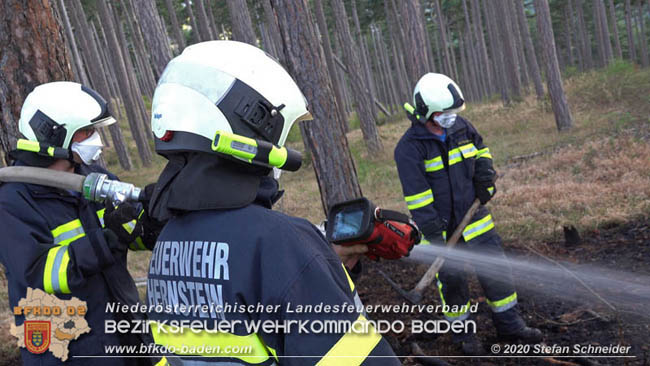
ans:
(37, 335)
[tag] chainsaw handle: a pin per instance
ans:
(426, 280)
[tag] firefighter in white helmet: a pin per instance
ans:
(59, 242)
(444, 166)
(221, 114)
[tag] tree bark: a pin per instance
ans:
(510, 55)
(372, 93)
(448, 69)
(331, 157)
(568, 34)
(617, 38)
(561, 109)
(33, 52)
(531, 56)
(329, 58)
(177, 31)
(417, 58)
(496, 51)
(122, 74)
(196, 32)
(202, 19)
(98, 77)
(154, 33)
(642, 38)
(274, 32)
(357, 82)
(584, 36)
(630, 35)
(71, 41)
(240, 19)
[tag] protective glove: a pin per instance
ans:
(124, 221)
(434, 231)
(114, 243)
(484, 190)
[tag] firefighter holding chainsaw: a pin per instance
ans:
(59, 242)
(221, 113)
(444, 166)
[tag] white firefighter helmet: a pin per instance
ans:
(225, 86)
(54, 111)
(437, 93)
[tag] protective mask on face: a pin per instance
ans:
(89, 149)
(445, 120)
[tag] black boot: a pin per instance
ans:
(524, 335)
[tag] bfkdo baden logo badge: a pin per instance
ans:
(37, 335)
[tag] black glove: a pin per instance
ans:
(151, 226)
(114, 243)
(433, 231)
(124, 221)
(484, 191)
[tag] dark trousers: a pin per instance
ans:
(495, 279)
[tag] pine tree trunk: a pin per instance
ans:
(154, 33)
(617, 39)
(71, 41)
(496, 49)
(177, 32)
(448, 69)
(531, 56)
(509, 54)
(584, 36)
(98, 77)
(568, 34)
(561, 109)
(609, 52)
(468, 48)
(357, 81)
(202, 20)
(417, 61)
(240, 20)
(372, 93)
(329, 58)
(274, 32)
(144, 61)
(131, 101)
(404, 89)
(486, 70)
(630, 35)
(575, 35)
(518, 43)
(642, 38)
(196, 33)
(331, 157)
(33, 52)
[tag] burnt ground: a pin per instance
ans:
(563, 322)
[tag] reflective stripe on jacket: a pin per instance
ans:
(52, 240)
(436, 176)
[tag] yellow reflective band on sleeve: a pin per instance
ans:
(433, 165)
(162, 362)
(68, 232)
(50, 151)
(100, 216)
(171, 337)
(130, 226)
(354, 347)
(350, 282)
(274, 353)
(479, 227)
(491, 191)
(468, 150)
(55, 274)
(484, 153)
(455, 156)
(419, 200)
(504, 304)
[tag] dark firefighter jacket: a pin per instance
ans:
(252, 265)
(437, 177)
(52, 240)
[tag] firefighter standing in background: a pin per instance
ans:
(56, 240)
(223, 245)
(443, 166)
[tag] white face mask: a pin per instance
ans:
(445, 120)
(89, 149)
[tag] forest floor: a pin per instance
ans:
(595, 177)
